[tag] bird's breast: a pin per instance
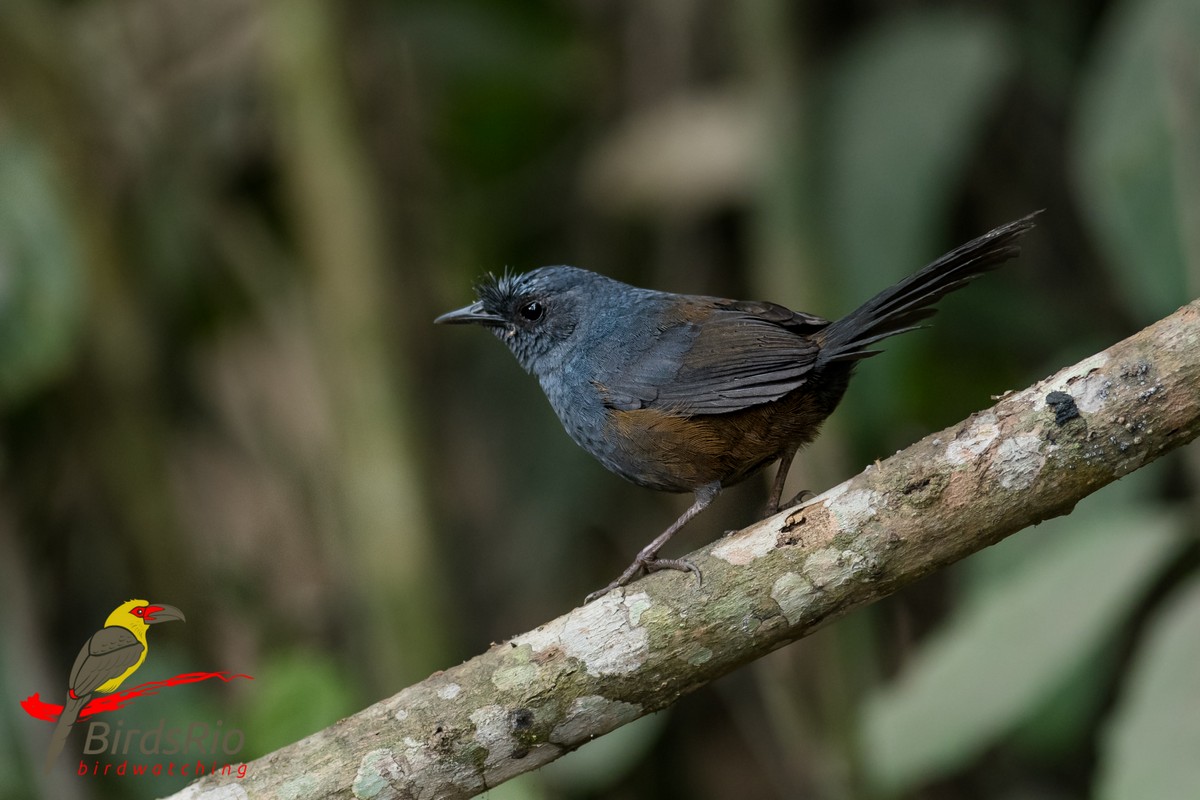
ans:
(670, 453)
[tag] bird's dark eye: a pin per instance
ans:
(533, 311)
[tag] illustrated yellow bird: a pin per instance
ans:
(111, 655)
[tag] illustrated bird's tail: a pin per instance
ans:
(901, 307)
(62, 730)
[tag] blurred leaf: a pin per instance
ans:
(1152, 746)
(41, 292)
(1059, 722)
(295, 694)
(1067, 716)
(1137, 144)
(929, 82)
(1004, 654)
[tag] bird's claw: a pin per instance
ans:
(644, 566)
(600, 592)
(803, 496)
(681, 564)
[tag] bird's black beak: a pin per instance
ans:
(473, 313)
(156, 613)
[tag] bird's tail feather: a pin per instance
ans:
(901, 307)
(62, 730)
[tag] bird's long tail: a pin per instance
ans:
(901, 307)
(62, 730)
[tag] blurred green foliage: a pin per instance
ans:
(42, 282)
(226, 226)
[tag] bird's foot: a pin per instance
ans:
(601, 592)
(680, 564)
(803, 496)
(644, 564)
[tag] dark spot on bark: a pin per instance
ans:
(787, 537)
(441, 738)
(922, 491)
(916, 486)
(520, 722)
(520, 719)
(1064, 407)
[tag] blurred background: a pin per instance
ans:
(226, 226)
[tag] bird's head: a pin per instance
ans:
(137, 614)
(534, 313)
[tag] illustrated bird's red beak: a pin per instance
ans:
(162, 614)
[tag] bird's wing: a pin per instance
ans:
(106, 655)
(717, 356)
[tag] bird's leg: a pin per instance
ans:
(785, 464)
(647, 560)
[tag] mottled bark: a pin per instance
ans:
(525, 702)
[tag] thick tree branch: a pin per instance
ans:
(524, 703)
